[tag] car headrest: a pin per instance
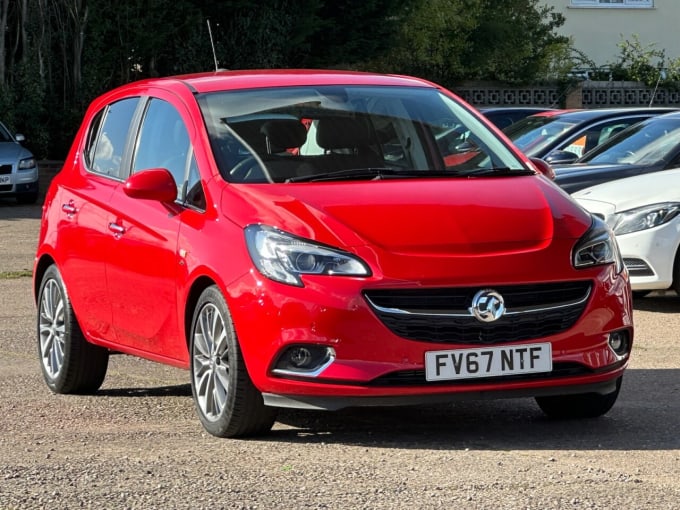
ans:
(284, 134)
(341, 133)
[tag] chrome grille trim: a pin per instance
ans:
(533, 311)
(467, 313)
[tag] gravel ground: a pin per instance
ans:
(138, 444)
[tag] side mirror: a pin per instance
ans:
(561, 157)
(544, 168)
(152, 184)
(20, 138)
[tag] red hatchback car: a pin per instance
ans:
(297, 239)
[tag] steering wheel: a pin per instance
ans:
(248, 170)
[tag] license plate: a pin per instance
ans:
(5, 179)
(488, 362)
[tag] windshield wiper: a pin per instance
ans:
(360, 173)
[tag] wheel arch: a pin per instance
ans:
(197, 288)
(675, 285)
(41, 266)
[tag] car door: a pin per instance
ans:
(143, 263)
(84, 239)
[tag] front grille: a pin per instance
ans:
(442, 315)
(5, 187)
(638, 267)
(5, 169)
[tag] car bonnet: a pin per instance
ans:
(455, 216)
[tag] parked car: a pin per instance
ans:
(563, 136)
(18, 169)
(503, 116)
(644, 213)
(295, 239)
(648, 146)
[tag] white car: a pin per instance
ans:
(644, 213)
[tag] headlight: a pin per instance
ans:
(597, 247)
(284, 257)
(25, 164)
(645, 217)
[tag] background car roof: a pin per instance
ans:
(603, 113)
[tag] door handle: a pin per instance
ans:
(69, 209)
(118, 230)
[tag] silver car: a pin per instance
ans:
(18, 169)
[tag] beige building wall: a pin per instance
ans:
(597, 31)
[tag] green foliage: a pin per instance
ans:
(449, 41)
(638, 62)
(60, 54)
(432, 40)
(515, 43)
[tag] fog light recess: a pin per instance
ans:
(619, 341)
(304, 360)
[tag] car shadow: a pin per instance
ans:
(645, 417)
(639, 421)
(179, 390)
(10, 210)
(662, 302)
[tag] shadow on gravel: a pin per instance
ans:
(180, 390)
(10, 210)
(640, 420)
(662, 303)
(645, 417)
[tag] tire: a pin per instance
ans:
(676, 274)
(585, 405)
(227, 402)
(69, 363)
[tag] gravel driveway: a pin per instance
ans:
(139, 444)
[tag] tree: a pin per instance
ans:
(513, 41)
(449, 41)
(432, 40)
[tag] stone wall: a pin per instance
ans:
(585, 94)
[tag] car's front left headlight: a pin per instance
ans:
(597, 247)
(642, 218)
(284, 257)
(26, 163)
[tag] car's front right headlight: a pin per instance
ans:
(597, 247)
(642, 218)
(26, 163)
(284, 257)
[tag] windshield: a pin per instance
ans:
(533, 134)
(646, 143)
(4, 134)
(295, 134)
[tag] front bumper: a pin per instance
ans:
(19, 182)
(333, 403)
(374, 366)
(650, 255)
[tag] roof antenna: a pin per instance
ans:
(212, 44)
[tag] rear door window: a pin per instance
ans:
(108, 137)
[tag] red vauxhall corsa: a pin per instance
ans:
(300, 239)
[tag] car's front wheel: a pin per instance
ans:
(69, 363)
(227, 402)
(584, 405)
